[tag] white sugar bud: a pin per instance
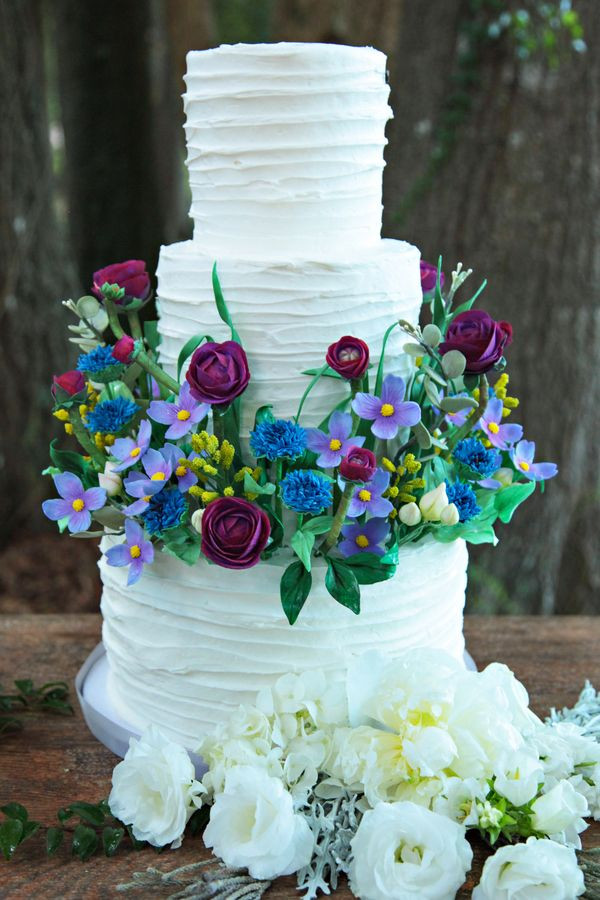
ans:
(197, 520)
(433, 502)
(432, 335)
(410, 514)
(450, 515)
(110, 480)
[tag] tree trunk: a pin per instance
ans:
(33, 270)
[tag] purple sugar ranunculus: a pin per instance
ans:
(123, 349)
(358, 465)
(130, 275)
(429, 277)
(479, 338)
(234, 532)
(218, 373)
(71, 382)
(349, 357)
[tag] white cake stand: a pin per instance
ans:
(104, 721)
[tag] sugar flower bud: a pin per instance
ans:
(429, 277)
(450, 515)
(433, 502)
(131, 276)
(110, 480)
(123, 349)
(69, 383)
(349, 357)
(358, 465)
(197, 520)
(410, 514)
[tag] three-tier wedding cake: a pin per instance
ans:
(285, 157)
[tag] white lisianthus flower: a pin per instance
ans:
(459, 799)
(518, 775)
(297, 705)
(154, 789)
(405, 850)
(559, 814)
(253, 825)
(538, 868)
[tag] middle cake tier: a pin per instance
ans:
(287, 314)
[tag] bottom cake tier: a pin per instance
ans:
(187, 645)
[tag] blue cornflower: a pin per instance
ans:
(463, 497)
(165, 510)
(110, 416)
(278, 439)
(97, 360)
(473, 454)
(306, 492)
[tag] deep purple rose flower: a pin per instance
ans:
(349, 357)
(479, 338)
(130, 275)
(71, 383)
(359, 464)
(123, 349)
(429, 277)
(218, 373)
(234, 532)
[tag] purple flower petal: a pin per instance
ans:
(356, 508)
(330, 459)
(525, 450)
(57, 509)
(509, 434)
(407, 414)
(393, 390)
(317, 440)
(544, 470)
(179, 428)
(493, 411)
(134, 533)
(379, 506)
(147, 548)
(348, 548)
(366, 406)
(134, 509)
(135, 571)
(94, 498)
(379, 482)
(489, 483)
(163, 412)
(69, 486)
(119, 555)
(79, 521)
(340, 425)
(377, 530)
(385, 428)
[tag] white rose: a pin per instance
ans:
(110, 480)
(559, 814)
(433, 502)
(404, 850)
(253, 825)
(538, 868)
(518, 775)
(154, 789)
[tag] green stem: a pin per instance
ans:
(135, 326)
(475, 415)
(355, 386)
(86, 442)
(278, 479)
(218, 423)
(338, 520)
(142, 357)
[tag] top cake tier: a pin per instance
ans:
(285, 148)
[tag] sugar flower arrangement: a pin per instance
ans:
(162, 461)
(381, 778)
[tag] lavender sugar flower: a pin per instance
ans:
(364, 538)
(180, 416)
(367, 498)
(499, 435)
(135, 552)
(129, 451)
(144, 487)
(334, 446)
(185, 477)
(388, 412)
(522, 457)
(76, 504)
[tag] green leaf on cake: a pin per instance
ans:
(507, 499)
(67, 461)
(465, 307)
(251, 486)
(380, 367)
(342, 584)
(294, 589)
(264, 414)
(222, 306)
(302, 543)
(327, 373)
(474, 532)
(318, 525)
(188, 348)
(369, 568)
(438, 310)
(151, 334)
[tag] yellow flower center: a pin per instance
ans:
(387, 410)
(334, 444)
(147, 498)
(135, 452)
(524, 465)
(494, 427)
(158, 476)
(78, 505)
(180, 471)
(183, 415)
(364, 495)
(362, 541)
(135, 551)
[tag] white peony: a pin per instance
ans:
(253, 825)
(538, 868)
(154, 789)
(403, 850)
(559, 814)
(518, 775)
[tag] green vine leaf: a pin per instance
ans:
(222, 306)
(111, 838)
(85, 842)
(54, 838)
(294, 589)
(342, 584)
(11, 834)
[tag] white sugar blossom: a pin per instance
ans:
(154, 789)
(559, 814)
(253, 825)
(518, 775)
(538, 868)
(405, 850)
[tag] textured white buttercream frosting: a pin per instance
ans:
(285, 148)
(187, 645)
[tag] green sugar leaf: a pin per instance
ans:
(342, 584)
(302, 543)
(222, 306)
(294, 589)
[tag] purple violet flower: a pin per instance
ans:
(522, 457)
(76, 503)
(365, 538)
(368, 497)
(333, 447)
(459, 418)
(388, 412)
(158, 471)
(135, 552)
(181, 415)
(499, 435)
(129, 451)
(185, 477)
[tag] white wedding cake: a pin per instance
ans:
(285, 155)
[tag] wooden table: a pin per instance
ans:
(56, 760)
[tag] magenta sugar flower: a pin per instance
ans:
(522, 456)
(135, 552)
(158, 471)
(365, 538)
(388, 412)
(76, 504)
(180, 416)
(499, 435)
(334, 446)
(368, 497)
(129, 451)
